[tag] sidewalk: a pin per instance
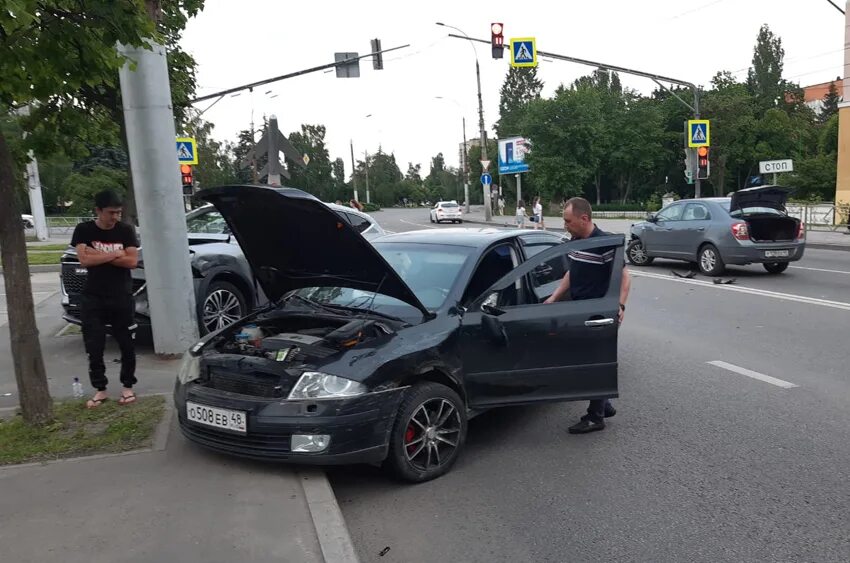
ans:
(174, 502)
(822, 240)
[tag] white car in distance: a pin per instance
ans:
(446, 211)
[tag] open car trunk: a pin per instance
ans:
(772, 228)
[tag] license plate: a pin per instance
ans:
(226, 419)
(777, 253)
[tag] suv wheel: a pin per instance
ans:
(222, 305)
(775, 267)
(428, 433)
(709, 261)
(636, 253)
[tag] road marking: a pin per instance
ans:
(754, 374)
(820, 270)
(752, 291)
(417, 224)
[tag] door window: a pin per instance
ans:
(695, 212)
(497, 262)
(671, 213)
(359, 223)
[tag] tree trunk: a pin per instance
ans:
(36, 404)
(720, 184)
(598, 187)
(628, 189)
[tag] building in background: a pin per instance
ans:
(815, 93)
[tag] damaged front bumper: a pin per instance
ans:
(358, 427)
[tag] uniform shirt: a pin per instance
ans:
(106, 280)
(590, 270)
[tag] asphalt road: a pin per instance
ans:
(741, 459)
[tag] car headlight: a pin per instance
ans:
(190, 368)
(315, 385)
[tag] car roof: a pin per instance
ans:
(333, 206)
(702, 199)
(475, 238)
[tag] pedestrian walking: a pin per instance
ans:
(108, 249)
(537, 209)
(501, 205)
(520, 214)
(588, 278)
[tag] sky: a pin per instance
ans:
(398, 109)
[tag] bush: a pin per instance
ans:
(619, 207)
(370, 207)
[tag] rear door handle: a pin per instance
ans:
(599, 322)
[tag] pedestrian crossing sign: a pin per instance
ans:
(187, 150)
(523, 52)
(699, 133)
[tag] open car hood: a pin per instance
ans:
(773, 197)
(293, 240)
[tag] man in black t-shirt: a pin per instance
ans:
(108, 249)
(588, 278)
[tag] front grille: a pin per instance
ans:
(256, 443)
(249, 385)
(71, 280)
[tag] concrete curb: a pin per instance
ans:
(160, 440)
(331, 529)
(41, 268)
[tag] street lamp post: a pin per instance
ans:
(482, 133)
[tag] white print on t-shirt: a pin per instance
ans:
(107, 246)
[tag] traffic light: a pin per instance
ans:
(187, 180)
(497, 40)
(377, 56)
(703, 166)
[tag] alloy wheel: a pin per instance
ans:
(432, 434)
(221, 308)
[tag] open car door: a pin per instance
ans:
(518, 351)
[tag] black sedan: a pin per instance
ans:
(381, 352)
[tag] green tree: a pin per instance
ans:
(51, 50)
(566, 134)
(521, 86)
(830, 102)
(317, 176)
(81, 186)
(384, 178)
(764, 79)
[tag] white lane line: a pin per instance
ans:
(754, 374)
(749, 290)
(820, 270)
(418, 224)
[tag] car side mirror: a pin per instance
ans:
(494, 330)
(652, 217)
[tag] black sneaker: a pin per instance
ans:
(586, 425)
(609, 410)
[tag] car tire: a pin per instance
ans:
(709, 261)
(636, 254)
(224, 297)
(460, 222)
(429, 431)
(775, 267)
(431, 217)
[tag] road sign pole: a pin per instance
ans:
(353, 168)
(518, 188)
(488, 211)
(465, 169)
(697, 182)
(146, 95)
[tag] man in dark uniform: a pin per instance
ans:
(108, 249)
(588, 278)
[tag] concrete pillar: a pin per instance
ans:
(842, 180)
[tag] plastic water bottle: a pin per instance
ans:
(78, 388)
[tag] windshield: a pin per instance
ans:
(448, 205)
(430, 270)
(210, 222)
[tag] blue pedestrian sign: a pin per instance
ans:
(523, 52)
(486, 179)
(699, 133)
(187, 152)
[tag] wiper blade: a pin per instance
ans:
(367, 312)
(312, 303)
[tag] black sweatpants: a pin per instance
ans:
(119, 312)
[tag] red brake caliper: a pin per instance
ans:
(409, 434)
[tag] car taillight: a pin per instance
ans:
(740, 231)
(801, 231)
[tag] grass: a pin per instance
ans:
(76, 431)
(41, 258)
(45, 247)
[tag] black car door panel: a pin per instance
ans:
(542, 352)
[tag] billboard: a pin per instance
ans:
(512, 153)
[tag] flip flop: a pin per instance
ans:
(127, 399)
(94, 403)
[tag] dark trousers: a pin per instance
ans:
(118, 312)
(596, 410)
